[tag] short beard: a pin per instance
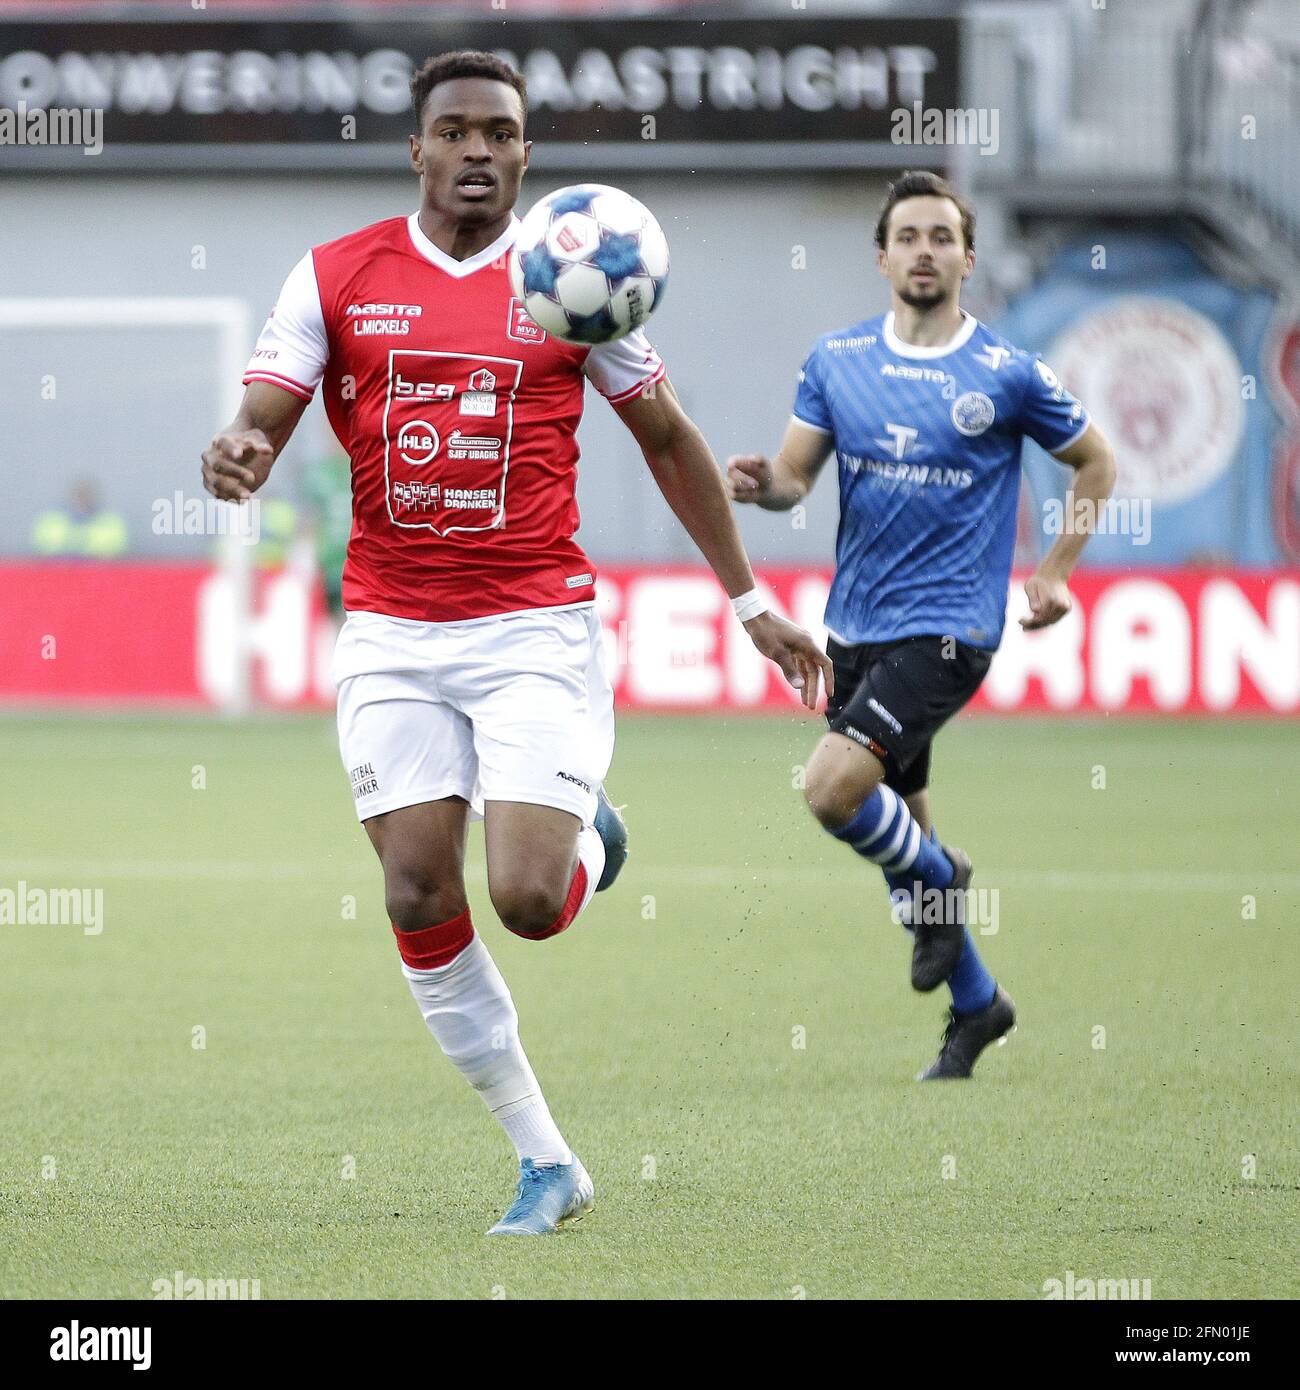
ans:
(932, 300)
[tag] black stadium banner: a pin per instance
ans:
(206, 93)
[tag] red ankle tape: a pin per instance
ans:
(577, 890)
(436, 946)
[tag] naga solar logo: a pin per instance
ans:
(417, 442)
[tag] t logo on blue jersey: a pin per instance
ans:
(901, 438)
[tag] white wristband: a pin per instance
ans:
(750, 605)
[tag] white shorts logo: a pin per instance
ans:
(889, 719)
(972, 413)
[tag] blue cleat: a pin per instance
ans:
(547, 1198)
(613, 833)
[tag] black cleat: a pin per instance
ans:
(613, 832)
(967, 1035)
(937, 946)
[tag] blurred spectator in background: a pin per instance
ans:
(278, 525)
(329, 490)
(83, 528)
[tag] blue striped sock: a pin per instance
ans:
(971, 984)
(885, 832)
(901, 888)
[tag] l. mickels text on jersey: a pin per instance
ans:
(928, 442)
(459, 415)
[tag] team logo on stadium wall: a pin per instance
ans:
(1283, 364)
(972, 413)
(1164, 385)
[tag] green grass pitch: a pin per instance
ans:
(729, 1160)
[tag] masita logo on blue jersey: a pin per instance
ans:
(972, 413)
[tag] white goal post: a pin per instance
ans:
(229, 318)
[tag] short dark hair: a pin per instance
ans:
(465, 62)
(920, 183)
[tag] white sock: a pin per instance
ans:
(471, 1014)
(591, 855)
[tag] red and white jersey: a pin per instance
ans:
(459, 415)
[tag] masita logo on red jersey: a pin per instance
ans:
(386, 311)
(382, 320)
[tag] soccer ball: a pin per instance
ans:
(590, 263)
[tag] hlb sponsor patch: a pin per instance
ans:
(417, 442)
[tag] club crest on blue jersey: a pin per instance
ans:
(972, 413)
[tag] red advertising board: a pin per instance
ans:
(1149, 642)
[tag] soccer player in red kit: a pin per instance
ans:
(469, 669)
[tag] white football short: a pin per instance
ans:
(511, 708)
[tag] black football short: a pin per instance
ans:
(893, 697)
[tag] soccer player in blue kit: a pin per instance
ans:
(925, 409)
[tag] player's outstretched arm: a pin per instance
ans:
(239, 459)
(687, 474)
(778, 485)
(1093, 462)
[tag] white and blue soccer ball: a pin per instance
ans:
(590, 263)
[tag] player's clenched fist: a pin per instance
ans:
(748, 477)
(1049, 601)
(236, 464)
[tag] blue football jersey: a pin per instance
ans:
(928, 442)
